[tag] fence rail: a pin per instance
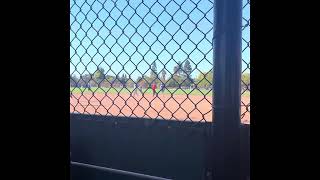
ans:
(117, 171)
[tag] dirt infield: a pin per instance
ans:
(174, 107)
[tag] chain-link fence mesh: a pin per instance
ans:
(146, 58)
(245, 93)
(149, 59)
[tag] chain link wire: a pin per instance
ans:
(245, 83)
(120, 50)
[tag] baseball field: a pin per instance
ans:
(172, 104)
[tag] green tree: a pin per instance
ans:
(85, 80)
(74, 81)
(163, 75)
(175, 81)
(99, 76)
(205, 80)
(123, 80)
(108, 81)
(245, 81)
(246, 78)
(187, 73)
(177, 69)
(187, 67)
(138, 79)
(154, 71)
(142, 81)
(130, 83)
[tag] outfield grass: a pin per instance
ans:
(148, 91)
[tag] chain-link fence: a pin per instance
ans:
(245, 100)
(155, 59)
(150, 59)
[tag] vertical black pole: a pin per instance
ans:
(227, 78)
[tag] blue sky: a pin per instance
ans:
(125, 36)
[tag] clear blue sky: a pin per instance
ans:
(101, 29)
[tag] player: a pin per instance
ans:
(89, 87)
(162, 87)
(140, 88)
(154, 87)
(136, 88)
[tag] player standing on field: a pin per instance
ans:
(162, 87)
(154, 87)
(136, 87)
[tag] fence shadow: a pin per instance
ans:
(169, 149)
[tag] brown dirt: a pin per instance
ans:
(175, 107)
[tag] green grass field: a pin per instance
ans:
(148, 91)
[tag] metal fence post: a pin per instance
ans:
(227, 89)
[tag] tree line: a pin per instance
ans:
(179, 77)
